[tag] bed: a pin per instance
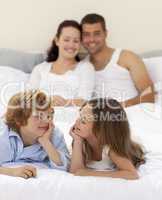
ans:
(146, 125)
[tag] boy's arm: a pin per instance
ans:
(56, 150)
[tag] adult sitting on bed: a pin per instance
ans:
(120, 74)
(69, 81)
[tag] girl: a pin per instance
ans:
(102, 144)
(67, 80)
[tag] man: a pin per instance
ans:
(120, 74)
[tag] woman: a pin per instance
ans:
(69, 81)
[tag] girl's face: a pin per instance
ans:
(84, 124)
(69, 42)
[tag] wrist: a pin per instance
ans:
(43, 141)
(78, 141)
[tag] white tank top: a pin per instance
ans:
(114, 81)
(104, 164)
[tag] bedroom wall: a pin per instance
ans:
(31, 24)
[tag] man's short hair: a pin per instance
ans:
(93, 18)
(22, 105)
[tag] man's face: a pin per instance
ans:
(93, 37)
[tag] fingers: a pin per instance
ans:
(59, 101)
(30, 171)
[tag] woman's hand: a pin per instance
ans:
(26, 171)
(59, 101)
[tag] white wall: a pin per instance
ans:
(31, 24)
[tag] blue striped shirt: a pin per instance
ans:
(13, 151)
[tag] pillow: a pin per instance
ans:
(11, 82)
(20, 60)
(154, 67)
(145, 124)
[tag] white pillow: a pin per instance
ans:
(145, 123)
(154, 67)
(11, 82)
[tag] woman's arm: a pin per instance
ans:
(35, 76)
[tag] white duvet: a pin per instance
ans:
(58, 185)
(146, 126)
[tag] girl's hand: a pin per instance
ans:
(73, 134)
(26, 171)
(84, 132)
(47, 135)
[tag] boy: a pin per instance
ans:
(28, 136)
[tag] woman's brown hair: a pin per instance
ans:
(53, 51)
(22, 105)
(111, 127)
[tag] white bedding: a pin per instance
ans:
(57, 185)
(146, 126)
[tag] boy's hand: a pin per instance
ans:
(47, 135)
(26, 171)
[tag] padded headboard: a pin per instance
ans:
(26, 61)
(21, 60)
(154, 53)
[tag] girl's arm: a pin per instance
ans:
(77, 159)
(125, 169)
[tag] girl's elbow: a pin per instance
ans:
(134, 175)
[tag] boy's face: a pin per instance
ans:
(37, 124)
(93, 37)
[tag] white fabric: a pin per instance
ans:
(145, 122)
(11, 81)
(154, 67)
(104, 164)
(52, 184)
(77, 83)
(115, 81)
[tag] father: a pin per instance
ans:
(120, 74)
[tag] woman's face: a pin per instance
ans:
(69, 42)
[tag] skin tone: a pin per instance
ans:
(69, 46)
(82, 130)
(39, 129)
(94, 40)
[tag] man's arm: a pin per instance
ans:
(140, 77)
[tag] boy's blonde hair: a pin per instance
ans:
(23, 104)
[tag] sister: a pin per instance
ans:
(102, 144)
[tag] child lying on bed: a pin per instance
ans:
(102, 144)
(28, 137)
